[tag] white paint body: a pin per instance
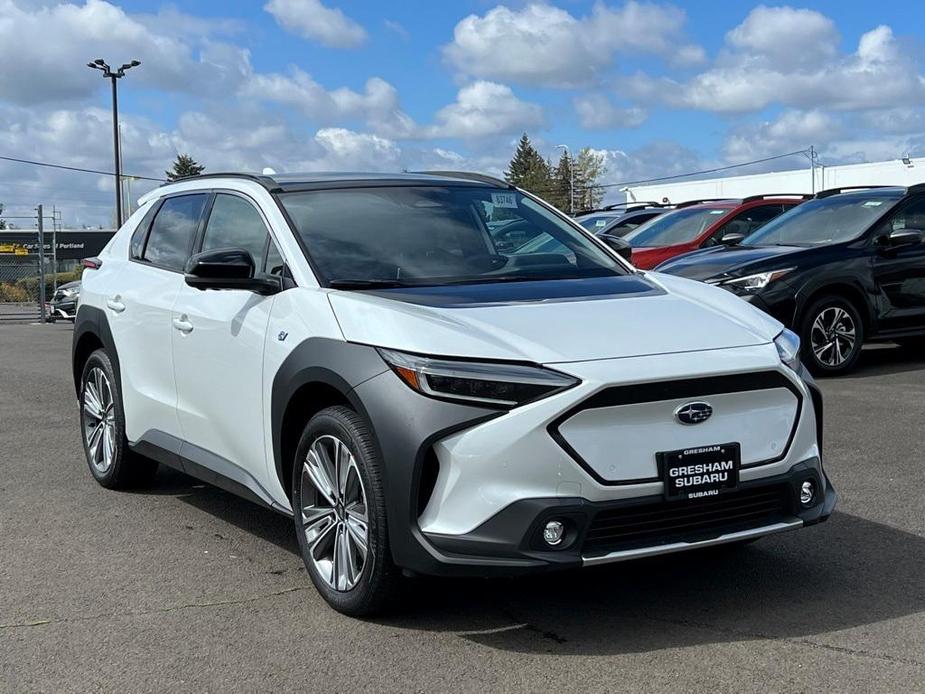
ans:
(211, 385)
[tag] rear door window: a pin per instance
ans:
(172, 232)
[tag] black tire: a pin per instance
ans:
(832, 362)
(378, 579)
(126, 468)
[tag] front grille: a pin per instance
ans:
(660, 523)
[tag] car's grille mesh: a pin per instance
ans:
(664, 522)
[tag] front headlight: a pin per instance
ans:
(752, 283)
(488, 383)
(788, 348)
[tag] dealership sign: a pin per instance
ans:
(70, 244)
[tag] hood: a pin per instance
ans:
(637, 315)
(728, 260)
(647, 257)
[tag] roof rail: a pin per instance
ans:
(266, 181)
(767, 196)
(835, 191)
(631, 205)
(688, 203)
(468, 176)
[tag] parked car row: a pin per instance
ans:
(840, 269)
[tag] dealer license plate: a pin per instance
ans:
(701, 472)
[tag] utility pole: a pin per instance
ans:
(41, 254)
(54, 250)
(100, 64)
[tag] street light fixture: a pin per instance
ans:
(571, 183)
(113, 75)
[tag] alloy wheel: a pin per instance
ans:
(335, 518)
(99, 420)
(833, 336)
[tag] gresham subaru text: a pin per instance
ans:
(354, 351)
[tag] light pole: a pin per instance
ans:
(571, 182)
(100, 64)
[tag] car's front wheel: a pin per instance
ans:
(339, 511)
(102, 424)
(832, 335)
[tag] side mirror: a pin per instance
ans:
(732, 239)
(619, 245)
(902, 237)
(227, 268)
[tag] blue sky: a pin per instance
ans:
(657, 88)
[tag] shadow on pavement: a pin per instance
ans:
(881, 360)
(848, 572)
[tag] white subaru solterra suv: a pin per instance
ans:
(356, 351)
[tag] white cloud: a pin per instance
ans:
(482, 109)
(310, 19)
(54, 44)
(378, 105)
(790, 131)
(397, 28)
(597, 112)
(545, 45)
(790, 57)
(785, 37)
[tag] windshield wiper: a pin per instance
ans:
(367, 284)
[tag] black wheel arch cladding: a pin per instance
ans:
(403, 423)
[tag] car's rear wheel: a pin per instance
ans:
(339, 511)
(102, 425)
(832, 335)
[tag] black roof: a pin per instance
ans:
(286, 182)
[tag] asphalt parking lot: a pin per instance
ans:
(185, 587)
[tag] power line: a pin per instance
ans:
(703, 171)
(77, 168)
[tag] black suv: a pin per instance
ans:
(844, 268)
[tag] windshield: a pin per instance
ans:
(825, 220)
(596, 222)
(434, 235)
(680, 226)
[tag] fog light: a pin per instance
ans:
(807, 492)
(553, 532)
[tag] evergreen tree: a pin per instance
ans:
(184, 165)
(589, 167)
(561, 195)
(528, 170)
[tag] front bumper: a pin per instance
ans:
(511, 542)
(468, 488)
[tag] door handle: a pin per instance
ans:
(115, 304)
(183, 325)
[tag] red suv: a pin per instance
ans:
(701, 223)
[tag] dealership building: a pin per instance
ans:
(900, 172)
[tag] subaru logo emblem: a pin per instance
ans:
(693, 413)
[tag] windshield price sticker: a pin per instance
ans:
(508, 200)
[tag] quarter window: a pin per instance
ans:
(172, 232)
(235, 223)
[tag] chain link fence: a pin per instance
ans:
(19, 286)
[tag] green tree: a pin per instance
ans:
(184, 165)
(528, 170)
(589, 167)
(561, 192)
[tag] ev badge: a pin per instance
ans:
(693, 413)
